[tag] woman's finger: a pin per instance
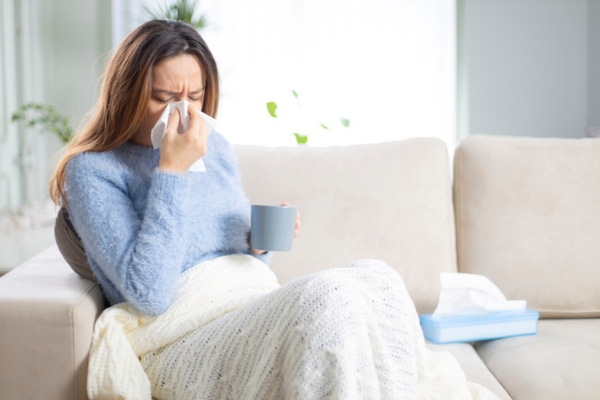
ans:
(297, 226)
(193, 115)
(197, 123)
(174, 119)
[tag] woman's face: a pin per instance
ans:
(174, 79)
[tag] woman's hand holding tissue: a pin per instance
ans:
(180, 151)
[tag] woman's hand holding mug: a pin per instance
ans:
(297, 226)
(269, 224)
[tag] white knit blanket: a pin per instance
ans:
(342, 333)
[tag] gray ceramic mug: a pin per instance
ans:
(273, 227)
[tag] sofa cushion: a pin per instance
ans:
(45, 306)
(389, 201)
(474, 369)
(528, 218)
(561, 362)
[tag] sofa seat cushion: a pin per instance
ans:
(388, 201)
(528, 218)
(474, 369)
(562, 361)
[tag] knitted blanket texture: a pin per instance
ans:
(234, 333)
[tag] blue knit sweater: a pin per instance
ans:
(141, 228)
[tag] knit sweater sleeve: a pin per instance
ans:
(140, 257)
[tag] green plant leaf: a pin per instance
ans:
(301, 139)
(295, 93)
(45, 116)
(345, 122)
(271, 107)
(324, 126)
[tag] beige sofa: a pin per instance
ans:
(526, 213)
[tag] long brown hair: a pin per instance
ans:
(127, 86)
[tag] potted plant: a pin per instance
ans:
(179, 10)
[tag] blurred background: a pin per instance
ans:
(340, 72)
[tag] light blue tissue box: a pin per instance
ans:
(475, 327)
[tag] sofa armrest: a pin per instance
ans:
(47, 315)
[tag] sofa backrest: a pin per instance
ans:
(528, 218)
(389, 201)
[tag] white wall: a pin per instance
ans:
(529, 67)
(593, 116)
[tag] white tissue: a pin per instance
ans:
(470, 294)
(160, 129)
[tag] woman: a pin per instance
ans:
(147, 225)
(128, 202)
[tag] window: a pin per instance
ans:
(388, 66)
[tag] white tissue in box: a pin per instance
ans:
(159, 130)
(471, 293)
(472, 308)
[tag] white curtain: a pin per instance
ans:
(25, 153)
(388, 66)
